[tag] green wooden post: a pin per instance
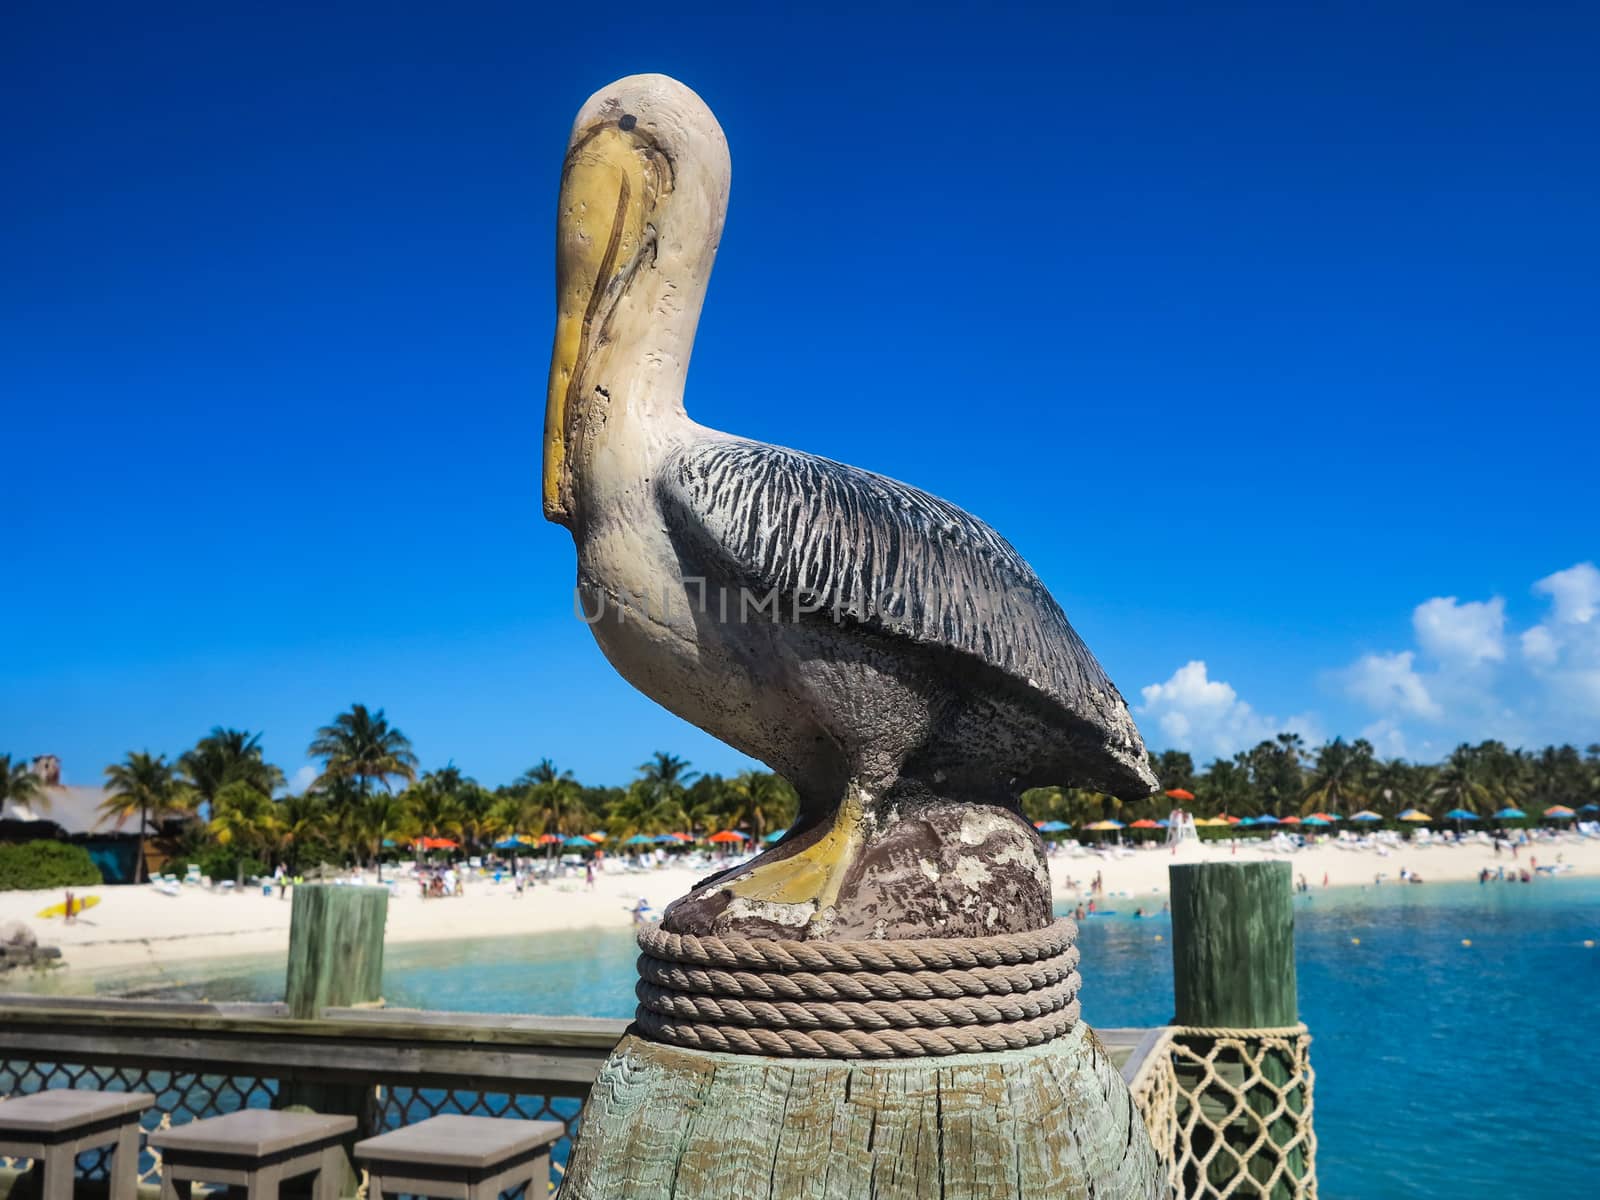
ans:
(335, 948)
(1233, 967)
(335, 960)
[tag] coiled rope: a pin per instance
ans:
(859, 999)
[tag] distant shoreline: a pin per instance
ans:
(136, 927)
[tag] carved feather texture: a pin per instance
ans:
(885, 556)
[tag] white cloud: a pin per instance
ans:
(1387, 738)
(1574, 592)
(303, 778)
(1389, 683)
(1462, 634)
(1563, 652)
(1206, 717)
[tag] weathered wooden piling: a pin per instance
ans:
(335, 948)
(335, 961)
(1240, 1055)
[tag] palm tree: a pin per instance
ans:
(1462, 783)
(362, 746)
(380, 818)
(20, 785)
(544, 771)
(665, 776)
(304, 820)
(761, 798)
(142, 785)
(244, 816)
(227, 756)
(1340, 777)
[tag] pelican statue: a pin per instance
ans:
(889, 654)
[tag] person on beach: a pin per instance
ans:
(281, 878)
(1078, 914)
(71, 915)
(588, 875)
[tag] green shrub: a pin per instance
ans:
(228, 862)
(34, 865)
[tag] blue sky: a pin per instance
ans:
(1268, 335)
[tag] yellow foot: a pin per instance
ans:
(814, 874)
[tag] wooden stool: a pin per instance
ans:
(256, 1148)
(56, 1126)
(473, 1158)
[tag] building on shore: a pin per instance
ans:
(73, 814)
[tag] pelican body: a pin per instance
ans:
(888, 653)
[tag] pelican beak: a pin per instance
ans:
(613, 181)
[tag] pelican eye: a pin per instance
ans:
(628, 122)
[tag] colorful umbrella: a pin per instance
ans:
(1105, 825)
(435, 843)
(1365, 815)
(665, 839)
(1290, 821)
(638, 839)
(1053, 827)
(1268, 819)
(1510, 814)
(1211, 822)
(1313, 819)
(1330, 818)
(1590, 808)
(579, 843)
(727, 835)
(1558, 812)
(1460, 814)
(1145, 823)
(774, 835)
(1415, 814)
(549, 839)
(1180, 794)
(1230, 820)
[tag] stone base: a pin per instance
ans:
(1054, 1121)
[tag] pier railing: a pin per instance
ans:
(203, 1059)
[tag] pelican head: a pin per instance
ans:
(643, 193)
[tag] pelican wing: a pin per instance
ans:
(873, 553)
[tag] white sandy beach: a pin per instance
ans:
(138, 926)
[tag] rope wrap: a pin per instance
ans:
(859, 999)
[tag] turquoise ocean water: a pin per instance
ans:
(1442, 1070)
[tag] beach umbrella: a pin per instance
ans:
(510, 843)
(1163, 824)
(1211, 822)
(549, 839)
(389, 843)
(1290, 821)
(1227, 820)
(1180, 794)
(1365, 815)
(1330, 818)
(1415, 814)
(639, 839)
(1590, 808)
(726, 836)
(774, 835)
(1268, 819)
(1145, 823)
(1510, 814)
(1243, 821)
(435, 843)
(1313, 819)
(578, 843)
(1106, 825)
(665, 839)
(599, 835)
(1559, 812)
(1460, 814)
(680, 837)
(1053, 827)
